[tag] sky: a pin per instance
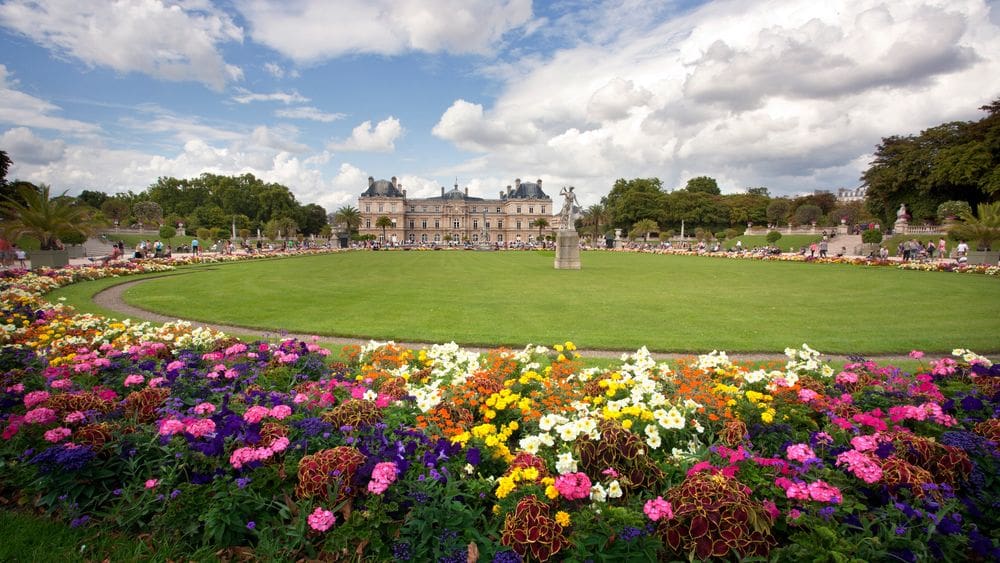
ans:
(318, 95)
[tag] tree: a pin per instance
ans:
(953, 209)
(167, 232)
(349, 216)
(807, 214)
(92, 198)
(761, 191)
(311, 219)
(984, 227)
(115, 209)
(383, 222)
(632, 200)
(777, 211)
(643, 228)
(38, 216)
(595, 217)
(5, 163)
(541, 223)
(148, 213)
(281, 227)
(703, 184)
(326, 232)
(695, 209)
(773, 237)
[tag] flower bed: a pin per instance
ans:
(448, 454)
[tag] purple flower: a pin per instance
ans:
(472, 456)
(251, 525)
(242, 482)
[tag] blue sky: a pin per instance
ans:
(320, 94)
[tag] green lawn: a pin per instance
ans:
(618, 301)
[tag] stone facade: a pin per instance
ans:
(455, 216)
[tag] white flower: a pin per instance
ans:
(597, 493)
(567, 432)
(548, 421)
(530, 444)
(566, 463)
(370, 395)
(614, 489)
(469, 469)
(654, 441)
(674, 419)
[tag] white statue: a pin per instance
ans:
(567, 212)
(901, 214)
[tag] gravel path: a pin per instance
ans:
(111, 298)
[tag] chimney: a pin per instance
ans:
(466, 191)
(508, 191)
(370, 181)
(517, 183)
(404, 193)
(442, 191)
(501, 194)
(394, 181)
(539, 182)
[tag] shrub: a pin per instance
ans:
(773, 237)
(871, 236)
(953, 209)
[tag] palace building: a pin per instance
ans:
(455, 216)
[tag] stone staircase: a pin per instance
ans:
(851, 242)
(97, 247)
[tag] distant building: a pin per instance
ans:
(455, 216)
(846, 194)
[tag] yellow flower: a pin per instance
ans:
(529, 474)
(551, 492)
(562, 518)
(570, 346)
(462, 438)
(558, 348)
(626, 424)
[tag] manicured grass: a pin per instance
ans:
(618, 301)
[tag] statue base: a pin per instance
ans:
(567, 250)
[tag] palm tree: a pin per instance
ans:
(984, 229)
(541, 223)
(644, 227)
(595, 217)
(43, 218)
(383, 222)
(349, 216)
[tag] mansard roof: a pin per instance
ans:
(384, 188)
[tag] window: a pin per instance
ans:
(411, 223)
(413, 208)
(475, 224)
(473, 208)
(423, 224)
(368, 208)
(475, 238)
(518, 209)
(423, 237)
(368, 223)
(487, 224)
(380, 208)
(499, 223)
(500, 238)
(531, 209)
(437, 238)
(437, 224)
(423, 208)
(412, 238)
(456, 224)
(519, 225)
(437, 208)
(392, 207)
(498, 210)
(543, 209)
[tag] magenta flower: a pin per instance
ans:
(151, 483)
(573, 486)
(57, 434)
(134, 379)
(658, 508)
(916, 354)
(321, 520)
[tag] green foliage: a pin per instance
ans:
(43, 218)
(871, 236)
(777, 211)
(643, 228)
(983, 228)
(283, 227)
(703, 184)
(167, 232)
(773, 237)
(633, 200)
(807, 214)
(116, 209)
(953, 209)
(204, 234)
(350, 216)
(148, 213)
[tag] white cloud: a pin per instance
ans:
(314, 30)
(310, 113)
(246, 96)
(278, 71)
(176, 42)
(364, 137)
(790, 94)
(22, 146)
(18, 108)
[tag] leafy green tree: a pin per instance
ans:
(595, 217)
(5, 163)
(211, 216)
(807, 214)
(695, 208)
(40, 217)
(761, 191)
(116, 209)
(777, 211)
(703, 184)
(92, 198)
(853, 213)
(953, 209)
(326, 232)
(746, 208)
(633, 200)
(350, 216)
(871, 236)
(204, 235)
(311, 219)
(281, 227)
(383, 222)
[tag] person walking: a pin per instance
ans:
(930, 249)
(194, 246)
(942, 248)
(823, 248)
(812, 250)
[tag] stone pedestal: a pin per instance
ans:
(567, 250)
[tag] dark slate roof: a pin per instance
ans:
(382, 188)
(455, 193)
(528, 190)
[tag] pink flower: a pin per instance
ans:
(806, 395)
(300, 398)
(658, 508)
(16, 388)
(321, 520)
(151, 483)
(794, 514)
(157, 381)
(201, 427)
(800, 453)
(57, 434)
(772, 509)
(281, 411)
(916, 354)
(41, 415)
(822, 491)
(279, 444)
(231, 374)
(573, 485)
(204, 408)
(383, 475)
(175, 365)
(846, 377)
(865, 443)
(134, 379)
(256, 413)
(863, 466)
(610, 472)
(171, 426)
(61, 384)
(74, 417)
(31, 400)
